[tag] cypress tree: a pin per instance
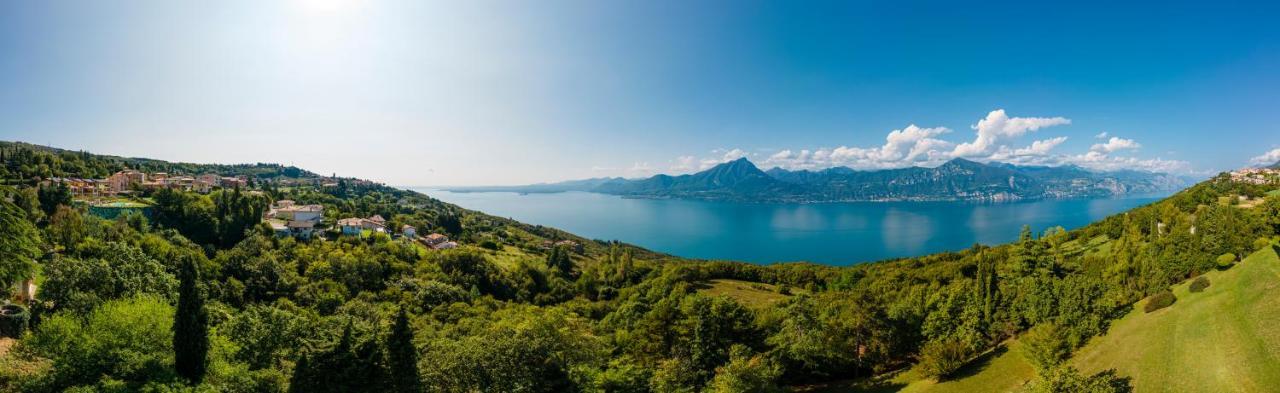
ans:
(301, 380)
(190, 325)
(402, 357)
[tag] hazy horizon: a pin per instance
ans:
(492, 93)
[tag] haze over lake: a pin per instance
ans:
(829, 233)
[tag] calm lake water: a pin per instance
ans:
(830, 233)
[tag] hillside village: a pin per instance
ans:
(123, 190)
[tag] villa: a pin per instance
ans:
(124, 180)
(435, 239)
(351, 226)
(290, 219)
(302, 229)
(376, 222)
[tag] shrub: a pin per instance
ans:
(938, 359)
(490, 245)
(1199, 284)
(1159, 301)
(1044, 346)
(746, 372)
(1226, 260)
(1068, 379)
(1261, 243)
(13, 320)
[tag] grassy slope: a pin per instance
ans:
(1001, 370)
(751, 294)
(1225, 339)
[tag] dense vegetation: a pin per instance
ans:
(122, 299)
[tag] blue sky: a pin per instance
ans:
(480, 92)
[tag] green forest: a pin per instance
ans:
(201, 296)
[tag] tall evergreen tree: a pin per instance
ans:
(301, 381)
(190, 325)
(402, 357)
(558, 259)
(19, 245)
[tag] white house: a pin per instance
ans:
(351, 226)
(408, 231)
(302, 229)
(375, 223)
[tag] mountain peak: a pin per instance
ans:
(961, 162)
(738, 165)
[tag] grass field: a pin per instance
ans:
(1225, 339)
(751, 294)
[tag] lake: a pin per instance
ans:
(829, 233)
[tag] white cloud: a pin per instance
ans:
(1102, 161)
(922, 146)
(1115, 144)
(1267, 158)
(1101, 135)
(998, 126)
(912, 145)
(729, 155)
(1040, 147)
(641, 169)
(684, 164)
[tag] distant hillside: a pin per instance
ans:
(958, 179)
(25, 159)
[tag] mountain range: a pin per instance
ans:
(959, 179)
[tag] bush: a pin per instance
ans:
(1159, 301)
(490, 245)
(1067, 379)
(13, 320)
(1226, 260)
(1045, 347)
(1199, 284)
(1261, 243)
(746, 372)
(938, 359)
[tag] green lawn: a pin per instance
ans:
(1225, 339)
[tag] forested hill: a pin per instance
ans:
(958, 179)
(25, 162)
(201, 296)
